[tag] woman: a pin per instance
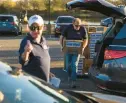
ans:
(33, 52)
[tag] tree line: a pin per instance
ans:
(57, 7)
(31, 5)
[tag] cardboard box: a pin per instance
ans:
(87, 64)
(80, 65)
(73, 46)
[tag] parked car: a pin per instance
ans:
(10, 24)
(19, 87)
(108, 70)
(61, 23)
(107, 22)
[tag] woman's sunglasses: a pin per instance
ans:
(33, 28)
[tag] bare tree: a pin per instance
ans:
(21, 5)
(37, 4)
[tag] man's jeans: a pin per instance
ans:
(71, 63)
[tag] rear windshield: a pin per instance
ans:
(122, 33)
(6, 19)
(119, 41)
(65, 20)
(120, 38)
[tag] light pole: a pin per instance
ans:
(49, 25)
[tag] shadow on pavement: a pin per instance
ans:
(83, 83)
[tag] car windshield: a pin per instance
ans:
(6, 19)
(25, 89)
(64, 20)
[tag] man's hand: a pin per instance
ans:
(28, 47)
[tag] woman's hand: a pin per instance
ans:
(28, 47)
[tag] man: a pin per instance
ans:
(73, 32)
(33, 52)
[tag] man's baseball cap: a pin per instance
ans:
(35, 19)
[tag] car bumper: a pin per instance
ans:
(8, 30)
(104, 82)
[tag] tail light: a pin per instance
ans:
(13, 23)
(114, 54)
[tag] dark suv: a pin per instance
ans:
(61, 23)
(10, 24)
(109, 66)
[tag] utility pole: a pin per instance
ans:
(49, 25)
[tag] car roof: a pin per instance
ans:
(66, 16)
(7, 15)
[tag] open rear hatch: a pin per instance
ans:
(100, 6)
